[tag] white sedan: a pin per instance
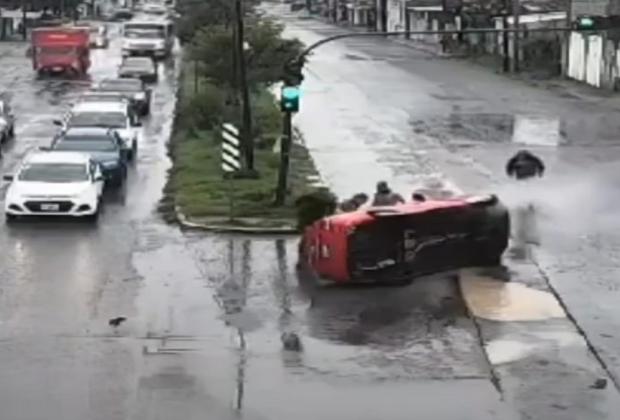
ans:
(55, 184)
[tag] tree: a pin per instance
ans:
(213, 47)
(196, 15)
(266, 56)
(199, 14)
(268, 52)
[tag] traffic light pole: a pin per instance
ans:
(285, 151)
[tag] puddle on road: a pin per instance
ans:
(537, 131)
(467, 128)
(507, 350)
(496, 300)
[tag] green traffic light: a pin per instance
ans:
(290, 92)
(289, 100)
(586, 22)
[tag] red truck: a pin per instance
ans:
(61, 50)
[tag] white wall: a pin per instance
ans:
(396, 17)
(587, 63)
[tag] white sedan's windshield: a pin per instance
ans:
(145, 65)
(54, 172)
(98, 119)
(121, 86)
(144, 33)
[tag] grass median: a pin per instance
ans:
(196, 184)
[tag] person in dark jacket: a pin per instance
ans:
(385, 196)
(525, 165)
(418, 197)
(353, 203)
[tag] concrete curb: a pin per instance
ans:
(185, 223)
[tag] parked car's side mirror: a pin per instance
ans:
(8, 178)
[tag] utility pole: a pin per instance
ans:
(235, 70)
(248, 143)
(567, 37)
(506, 43)
(285, 152)
(516, 45)
(24, 16)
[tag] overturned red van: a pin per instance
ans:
(395, 244)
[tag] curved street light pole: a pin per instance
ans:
(299, 60)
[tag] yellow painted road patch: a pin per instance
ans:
(496, 300)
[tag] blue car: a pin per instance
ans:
(105, 146)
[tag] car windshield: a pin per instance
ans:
(85, 145)
(54, 172)
(103, 97)
(150, 31)
(137, 65)
(121, 86)
(98, 119)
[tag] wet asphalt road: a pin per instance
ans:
(392, 112)
(205, 312)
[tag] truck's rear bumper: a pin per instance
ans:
(57, 69)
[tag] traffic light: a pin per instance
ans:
(289, 99)
(293, 75)
(585, 23)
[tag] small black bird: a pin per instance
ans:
(115, 322)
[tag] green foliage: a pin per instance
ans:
(213, 47)
(196, 15)
(314, 206)
(205, 108)
(267, 119)
(201, 191)
(269, 51)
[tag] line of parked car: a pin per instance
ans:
(96, 142)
